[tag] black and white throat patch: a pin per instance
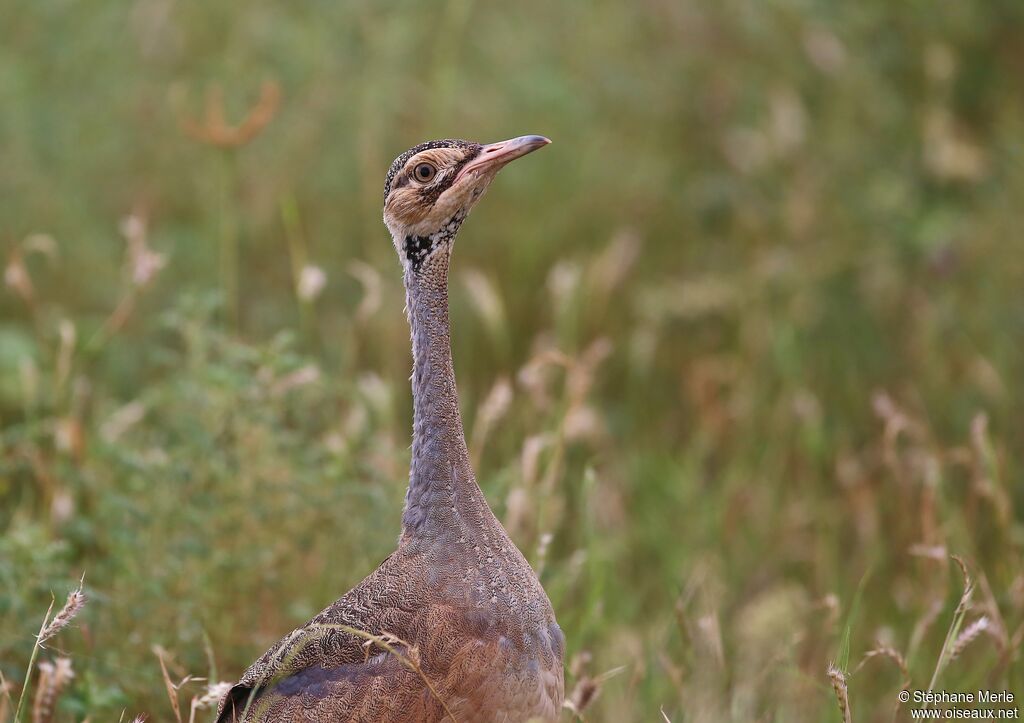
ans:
(418, 248)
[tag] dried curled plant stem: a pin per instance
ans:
(215, 130)
(885, 651)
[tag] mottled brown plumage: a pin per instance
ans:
(472, 633)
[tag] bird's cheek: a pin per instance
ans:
(407, 210)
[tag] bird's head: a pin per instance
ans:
(431, 188)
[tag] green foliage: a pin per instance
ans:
(749, 328)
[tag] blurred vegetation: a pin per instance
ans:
(748, 338)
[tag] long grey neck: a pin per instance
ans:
(442, 488)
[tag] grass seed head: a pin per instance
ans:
(74, 604)
(968, 635)
(838, 680)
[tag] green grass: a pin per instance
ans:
(775, 244)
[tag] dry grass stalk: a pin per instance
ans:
(16, 273)
(543, 545)
(1016, 640)
(923, 624)
(932, 552)
(674, 672)
(613, 265)
(369, 279)
(142, 265)
(838, 680)
(213, 694)
(583, 694)
(493, 408)
(44, 693)
(68, 335)
(17, 278)
(997, 624)
(710, 630)
(885, 651)
(31, 663)
(587, 687)
(74, 604)
(486, 302)
(830, 604)
(965, 597)
(301, 377)
(896, 422)
(310, 284)
(53, 679)
(6, 703)
(952, 634)
(171, 688)
(985, 470)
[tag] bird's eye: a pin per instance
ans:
(424, 172)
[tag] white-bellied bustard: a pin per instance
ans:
(487, 647)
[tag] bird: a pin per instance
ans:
(454, 624)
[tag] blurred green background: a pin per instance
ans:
(746, 339)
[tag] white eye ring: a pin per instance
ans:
(424, 172)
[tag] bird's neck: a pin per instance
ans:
(442, 487)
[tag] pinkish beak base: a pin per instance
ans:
(496, 155)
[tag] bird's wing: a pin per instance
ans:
(450, 672)
(325, 655)
(380, 690)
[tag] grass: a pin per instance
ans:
(738, 354)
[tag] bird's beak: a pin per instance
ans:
(494, 156)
